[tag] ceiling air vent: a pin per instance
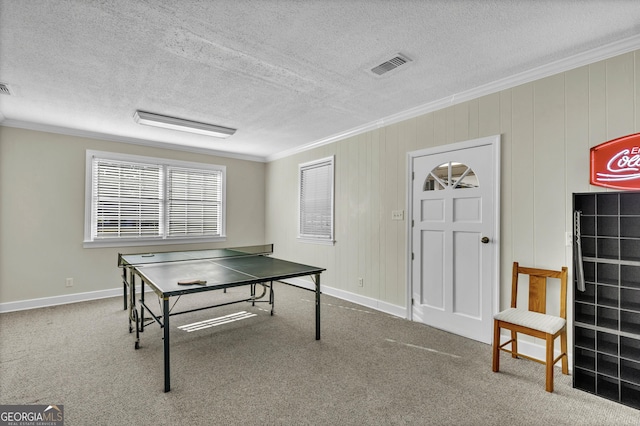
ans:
(4, 89)
(390, 65)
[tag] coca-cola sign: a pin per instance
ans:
(616, 163)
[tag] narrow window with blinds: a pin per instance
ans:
(133, 200)
(316, 200)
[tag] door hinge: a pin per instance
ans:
(412, 300)
(413, 175)
(412, 223)
(412, 256)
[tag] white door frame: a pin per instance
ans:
(489, 140)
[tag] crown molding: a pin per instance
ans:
(589, 57)
(123, 139)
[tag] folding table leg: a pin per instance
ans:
(272, 299)
(317, 306)
(131, 295)
(165, 322)
(137, 320)
(124, 286)
(141, 305)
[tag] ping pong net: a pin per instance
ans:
(178, 256)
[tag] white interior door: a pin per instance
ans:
(454, 237)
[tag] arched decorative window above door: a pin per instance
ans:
(451, 175)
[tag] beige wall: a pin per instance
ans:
(42, 195)
(547, 128)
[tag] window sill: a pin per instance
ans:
(316, 241)
(150, 242)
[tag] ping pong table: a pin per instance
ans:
(171, 274)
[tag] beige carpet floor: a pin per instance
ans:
(369, 368)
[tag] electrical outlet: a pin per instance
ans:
(360, 282)
(568, 238)
(69, 282)
(397, 215)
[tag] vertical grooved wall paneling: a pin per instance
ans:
(546, 127)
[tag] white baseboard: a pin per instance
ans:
(399, 311)
(43, 302)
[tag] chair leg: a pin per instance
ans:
(514, 344)
(549, 363)
(495, 365)
(563, 348)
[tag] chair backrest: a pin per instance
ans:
(538, 287)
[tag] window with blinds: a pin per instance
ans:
(316, 200)
(194, 200)
(144, 199)
(127, 200)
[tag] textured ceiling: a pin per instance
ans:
(286, 74)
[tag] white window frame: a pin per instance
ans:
(90, 242)
(311, 238)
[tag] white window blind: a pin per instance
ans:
(134, 200)
(127, 199)
(316, 200)
(194, 202)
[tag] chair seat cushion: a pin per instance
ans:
(542, 322)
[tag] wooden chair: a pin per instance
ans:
(534, 321)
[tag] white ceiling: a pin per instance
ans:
(286, 74)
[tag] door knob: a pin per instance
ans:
(484, 240)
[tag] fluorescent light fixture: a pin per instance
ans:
(157, 120)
